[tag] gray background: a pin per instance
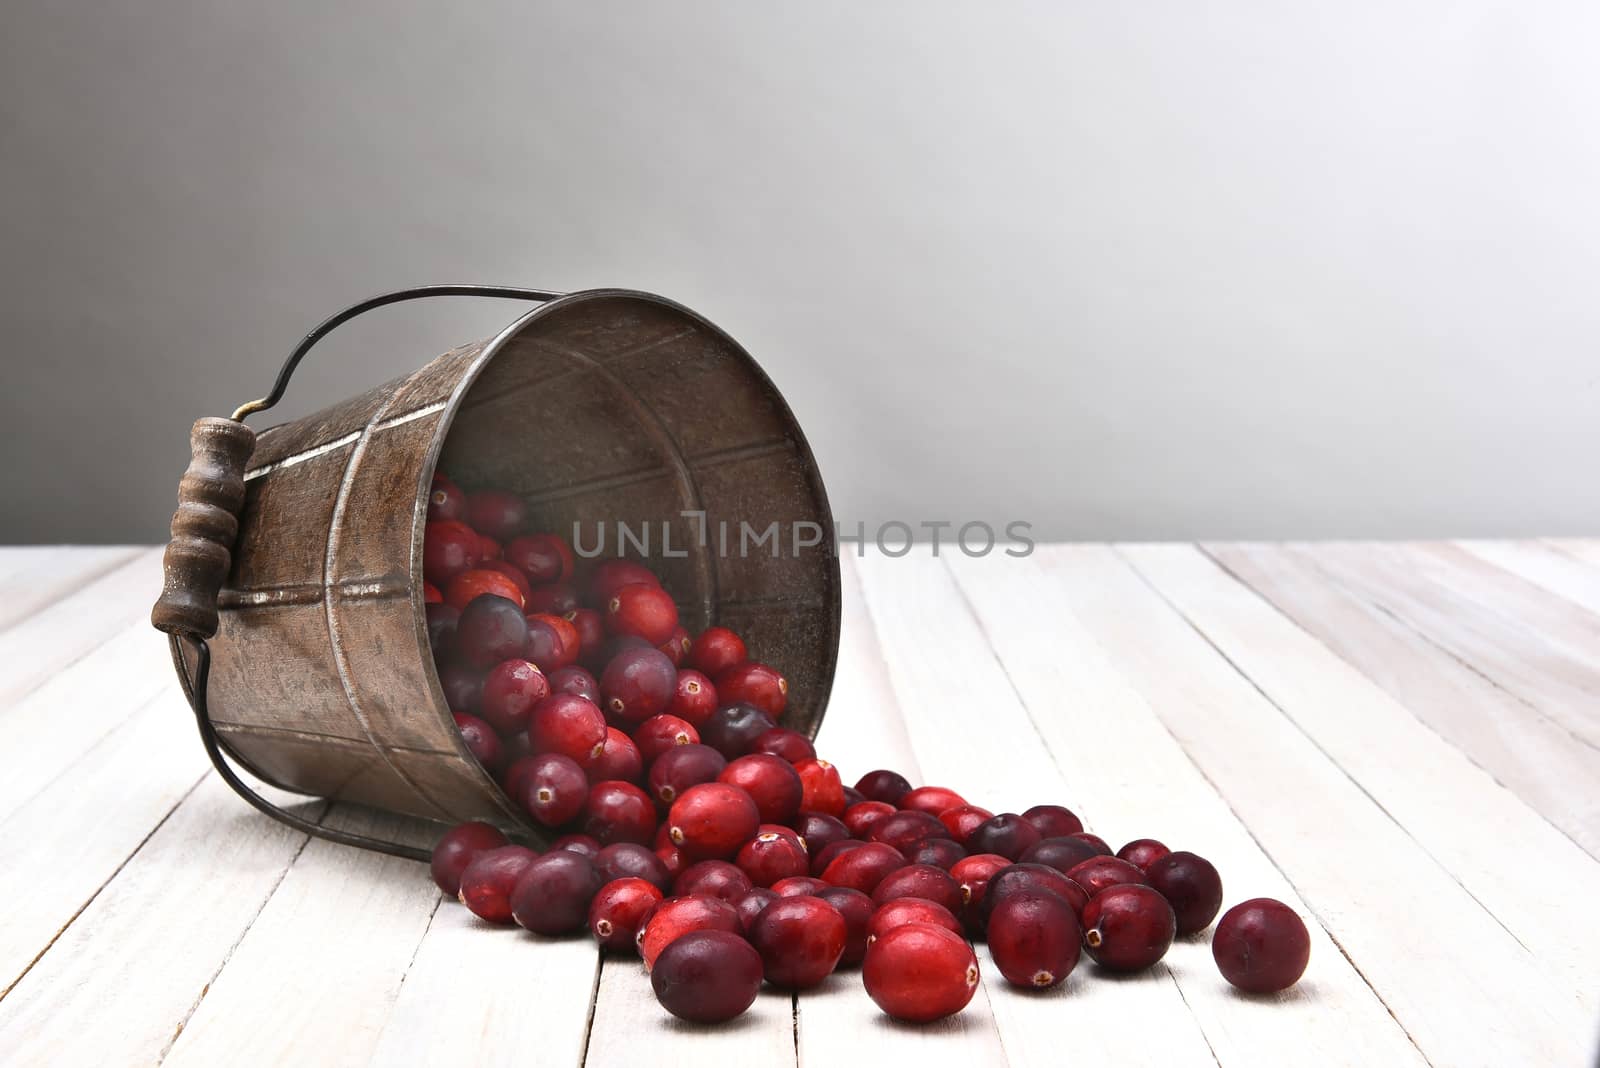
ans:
(1149, 270)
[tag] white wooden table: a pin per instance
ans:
(1401, 741)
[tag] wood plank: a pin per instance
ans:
(1584, 550)
(30, 580)
(1387, 903)
(973, 734)
(1520, 747)
(630, 1027)
(1543, 565)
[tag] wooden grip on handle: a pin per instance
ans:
(204, 528)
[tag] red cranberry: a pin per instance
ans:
(553, 895)
(857, 909)
(481, 739)
(681, 767)
(863, 868)
(510, 691)
(732, 729)
(920, 880)
(442, 621)
(544, 558)
(619, 910)
(889, 787)
(591, 631)
(677, 916)
(1261, 946)
(716, 650)
(962, 820)
(822, 790)
(920, 973)
(659, 733)
(769, 856)
(552, 642)
(619, 759)
(800, 940)
(445, 500)
(707, 977)
(1062, 854)
(1008, 835)
(672, 858)
(643, 611)
(448, 548)
(713, 819)
(568, 725)
(786, 832)
(556, 789)
(694, 699)
(619, 812)
(576, 681)
(461, 591)
(556, 599)
(972, 875)
(637, 684)
(865, 816)
(1191, 886)
(1035, 939)
(751, 905)
(489, 878)
(612, 575)
(907, 830)
(940, 852)
(630, 860)
(462, 686)
(712, 878)
(1094, 840)
(1098, 873)
(431, 594)
(783, 742)
(820, 861)
(498, 514)
(456, 850)
(1030, 879)
(1142, 852)
(934, 800)
(582, 844)
(756, 684)
(799, 886)
(491, 629)
(488, 549)
(1053, 821)
(676, 647)
(903, 910)
(1128, 927)
(818, 832)
(772, 782)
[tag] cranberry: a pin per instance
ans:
(1128, 927)
(456, 849)
(800, 940)
(822, 790)
(769, 856)
(940, 852)
(799, 886)
(1095, 841)
(1030, 879)
(904, 910)
(619, 812)
(481, 739)
(662, 732)
(1062, 854)
(591, 631)
(448, 548)
(491, 629)
(488, 549)
(1261, 946)
(510, 691)
(907, 830)
(544, 558)
(576, 681)
(712, 878)
(751, 905)
(442, 621)
(431, 594)
(783, 742)
(681, 767)
(1142, 852)
(1035, 939)
(889, 787)
(756, 684)
(552, 642)
(619, 759)
(552, 896)
(462, 686)
(445, 500)
(582, 844)
(630, 860)
(489, 878)
(934, 800)
(713, 819)
(498, 514)
(852, 797)
(555, 789)
(920, 880)
(612, 575)
(637, 684)
(919, 973)
(618, 911)
(820, 861)
(818, 832)
(786, 832)
(1008, 835)
(568, 725)
(500, 567)
(857, 909)
(1191, 886)
(972, 875)
(556, 599)
(772, 782)
(676, 647)
(864, 868)
(707, 977)
(1053, 821)
(865, 816)
(716, 650)
(677, 916)
(643, 611)
(962, 820)
(1098, 873)
(732, 729)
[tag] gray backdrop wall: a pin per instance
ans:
(1136, 271)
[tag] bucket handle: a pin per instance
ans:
(206, 525)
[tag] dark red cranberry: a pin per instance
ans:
(939, 852)
(676, 647)
(591, 631)
(800, 940)
(462, 686)
(480, 582)
(1261, 946)
(1098, 873)
(865, 816)
(510, 691)
(552, 642)
(496, 513)
(576, 681)
(716, 650)
(488, 549)
(907, 830)
(1062, 854)
(821, 860)
(712, 819)
(772, 782)
(852, 797)
(491, 629)
(972, 875)
(799, 886)
(1094, 840)
(568, 725)
(637, 684)
(1191, 886)
(962, 820)
(919, 973)
(630, 860)
(544, 558)
(1008, 835)
(489, 878)
(818, 832)
(619, 910)
(677, 916)
(822, 790)
(514, 776)
(612, 575)
(442, 619)
(857, 909)
(934, 800)
(694, 699)
(920, 880)
(512, 573)
(1053, 821)
(681, 767)
(456, 849)
(732, 729)
(864, 868)
(707, 977)
(619, 812)
(619, 759)
(445, 500)
(751, 905)
(1030, 879)
(712, 878)
(481, 739)
(904, 910)
(643, 611)
(1142, 852)
(883, 785)
(783, 742)
(556, 599)
(1128, 927)
(582, 844)
(556, 789)
(662, 732)
(769, 856)
(756, 684)
(448, 548)
(1035, 939)
(552, 896)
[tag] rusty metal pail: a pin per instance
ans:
(293, 591)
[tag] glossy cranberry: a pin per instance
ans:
(883, 785)
(857, 909)
(491, 629)
(619, 812)
(821, 860)
(919, 880)
(1030, 879)
(907, 830)
(448, 548)
(643, 611)
(1053, 821)
(799, 886)
(612, 575)
(934, 800)
(481, 739)
(904, 910)
(681, 767)
(864, 868)
(552, 642)
(676, 647)
(772, 782)
(544, 558)
(553, 895)
(1261, 946)
(1142, 852)
(515, 576)
(672, 859)
(555, 789)
(630, 860)
(800, 940)
(556, 599)
(510, 691)
(712, 878)
(662, 732)
(462, 686)
(489, 878)
(940, 852)
(619, 759)
(1094, 840)
(1127, 927)
(1062, 854)
(637, 684)
(591, 631)
(568, 725)
(769, 857)
(972, 875)
(496, 513)
(707, 977)
(1191, 886)
(784, 830)
(852, 796)
(442, 619)
(582, 844)
(576, 681)
(716, 650)
(865, 816)
(822, 790)
(677, 916)
(754, 683)
(919, 973)
(733, 729)
(1098, 873)
(445, 500)
(751, 904)
(712, 819)
(488, 549)
(456, 849)
(431, 594)
(619, 910)
(1034, 939)
(783, 742)
(694, 699)
(1008, 835)
(962, 820)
